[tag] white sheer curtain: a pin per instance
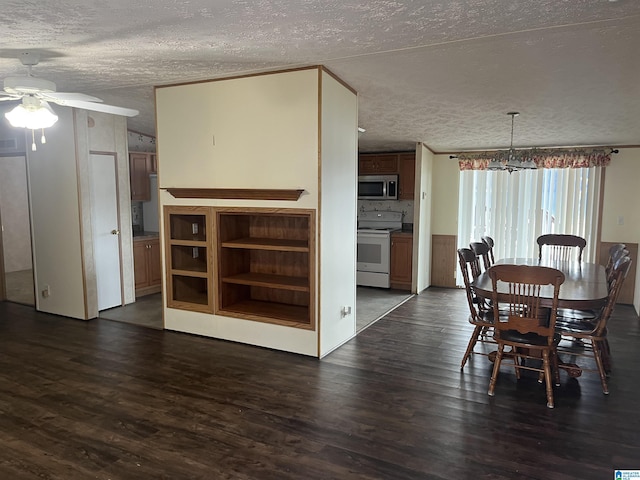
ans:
(515, 208)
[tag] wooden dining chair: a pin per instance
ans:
(528, 328)
(481, 249)
(615, 253)
(490, 243)
(481, 317)
(561, 246)
(592, 334)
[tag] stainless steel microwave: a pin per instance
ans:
(378, 187)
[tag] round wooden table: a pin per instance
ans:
(585, 285)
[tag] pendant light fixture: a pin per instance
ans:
(512, 159)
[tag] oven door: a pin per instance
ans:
(374, 249)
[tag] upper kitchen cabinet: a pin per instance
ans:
(279, 273)
(407, 176)
(141, 164)
(377, 164)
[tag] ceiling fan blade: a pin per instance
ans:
(8, 98)
(60, 97)
(100, 107)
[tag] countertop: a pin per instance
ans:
(143, 235)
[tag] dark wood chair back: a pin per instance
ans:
(481, 249)
(619, 273)
(561, 246)
(481, 313)
(526, 326)
(525, 283)
(470, 268)
(490, 243)
(615, 252)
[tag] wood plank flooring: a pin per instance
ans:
(110, 400)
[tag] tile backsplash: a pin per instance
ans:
(404, 206)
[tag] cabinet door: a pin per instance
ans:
(387, 164)
(366, 165)
(407, 178)
(401, 258)
(377, 164)
(139, 172)
(140, 270)
(154, 262)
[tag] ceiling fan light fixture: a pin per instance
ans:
(32, 113)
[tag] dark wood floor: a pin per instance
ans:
(109, 400)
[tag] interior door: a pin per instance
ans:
(106, 230)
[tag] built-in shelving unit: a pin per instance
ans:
(189, 253)
(265, 265)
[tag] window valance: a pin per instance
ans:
(544, 158)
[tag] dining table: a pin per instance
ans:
(585, 286)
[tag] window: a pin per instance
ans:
(515, 208)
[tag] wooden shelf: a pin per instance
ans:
(284, 314)
(237, 193)
(283, 245)
(300, 284)
(189, 273)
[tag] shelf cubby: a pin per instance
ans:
(266, 265)
(189, 250)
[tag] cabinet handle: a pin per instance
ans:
(115, 232)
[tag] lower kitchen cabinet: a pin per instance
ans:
(401, 260)
(147, 266)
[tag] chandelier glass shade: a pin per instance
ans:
(32, 113)
(512, 159)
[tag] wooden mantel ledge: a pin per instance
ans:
(237, 193)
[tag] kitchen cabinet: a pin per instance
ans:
(401, 260)
(407, 176)
(189, 257)
(266, 265)
(147, 265)
(377, 164)
(141, 164)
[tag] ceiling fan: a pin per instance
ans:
(36, 92)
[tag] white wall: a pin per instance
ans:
(338, 197)
(60, 201)
(14, 206)
(55, 220)
(423, 218)
(446, 173)
(621, 199)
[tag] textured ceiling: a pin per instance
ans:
(441, 72)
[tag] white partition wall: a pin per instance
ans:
(60, 203)
(283, 130)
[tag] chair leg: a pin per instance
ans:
(556, 369)
(472, 343)
(496, 368)
(597, 353)
(606, 356)
(547, 376)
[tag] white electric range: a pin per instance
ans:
(374, 247)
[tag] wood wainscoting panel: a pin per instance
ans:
(629, 285)
(443, 260)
